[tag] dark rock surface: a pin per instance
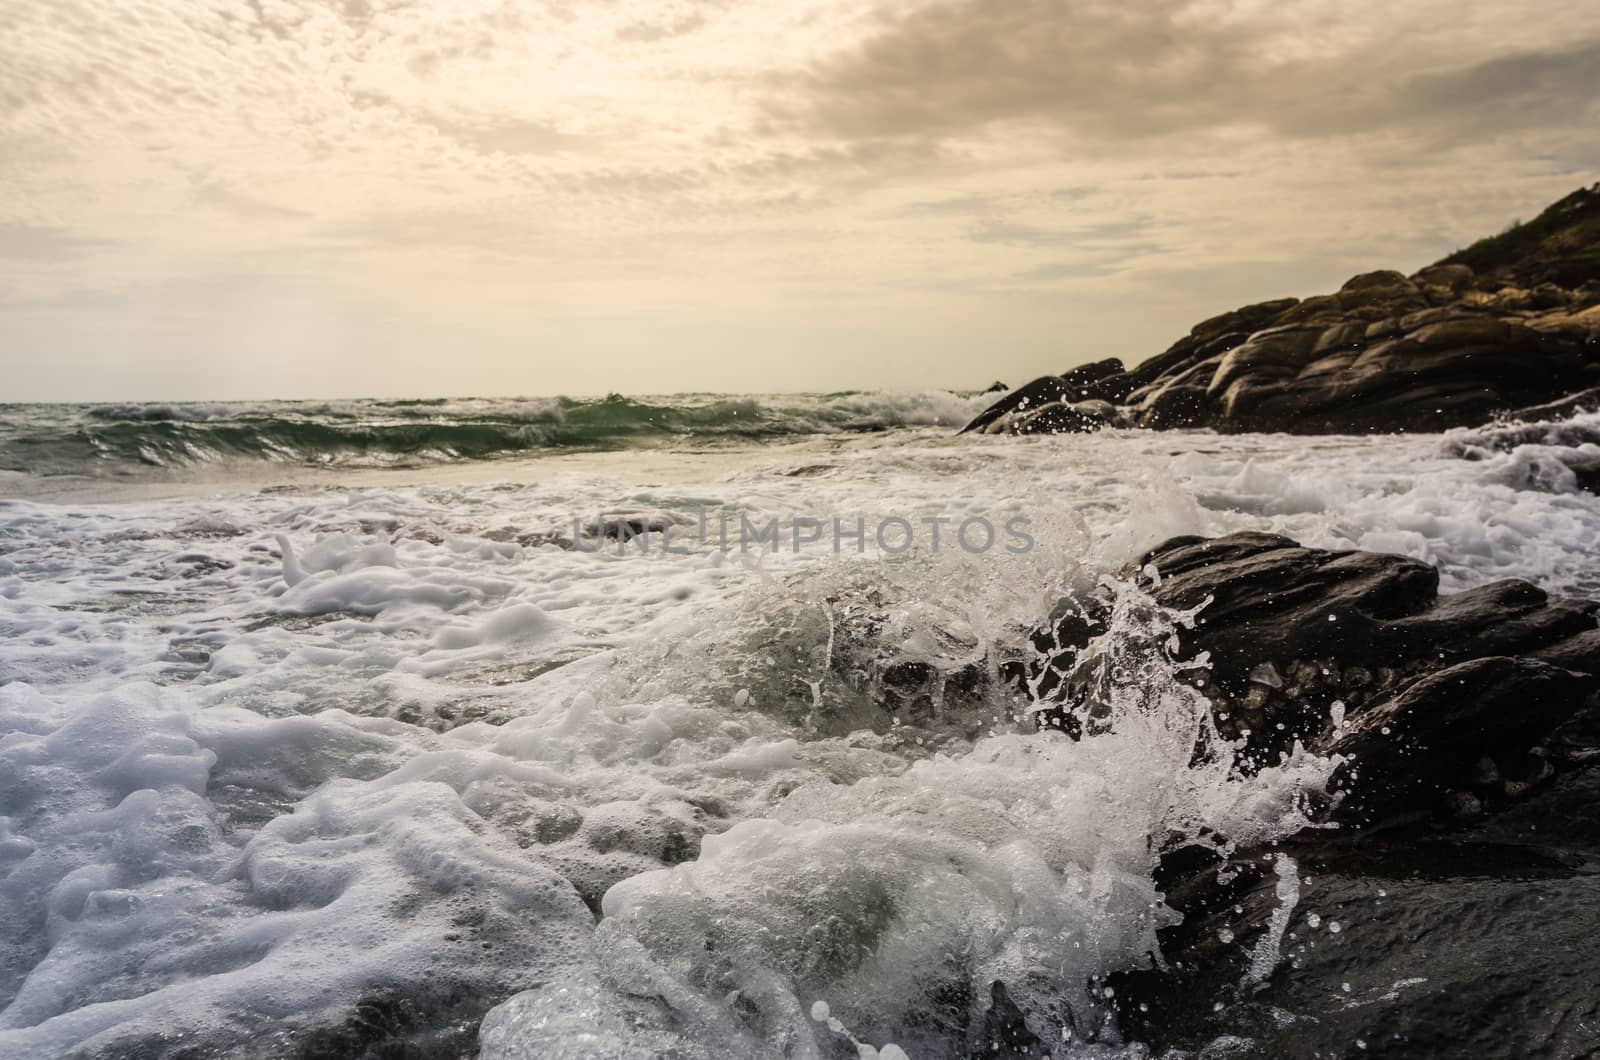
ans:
(1051, 393)
(1444, 705)
(1471, 943)
(1512, 321)
(1451, 907)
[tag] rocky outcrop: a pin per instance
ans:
(1442, 705)
(1512, 321)
(1447, 911)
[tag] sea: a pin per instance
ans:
(563, 728)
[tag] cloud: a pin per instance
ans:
(511, 136)
(1065, 270)
(1108, 72)
(1010, 233)
(275, 19)
(29, 242)
(214, 193)
(652, 31)
(952, 68)
(1531, 89)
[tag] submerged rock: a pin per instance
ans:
(1512, 321)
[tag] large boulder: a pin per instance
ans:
(1443, 704)
(1442, 904)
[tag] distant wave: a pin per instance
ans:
(130, 437)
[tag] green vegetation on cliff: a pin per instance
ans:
(1560, 246)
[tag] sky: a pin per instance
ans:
(215, 199)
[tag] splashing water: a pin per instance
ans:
(900, 900)
(1268, 950)
(378, 788)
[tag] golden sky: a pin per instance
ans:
(307, 198)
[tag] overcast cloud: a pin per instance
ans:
(252, 198)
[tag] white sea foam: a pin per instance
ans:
(407, 759)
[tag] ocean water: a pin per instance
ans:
(134, 439)
(325, 727)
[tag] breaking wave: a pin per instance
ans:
(128, 438)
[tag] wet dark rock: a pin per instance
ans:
(386, 1023)
(1440, 702)
(1175, 407)
(1444, 904)
(1462, 941)
(1089, 388)
(1079, 417)
(1583, 401)
(393, 1024)
(1473, 730)
(195, 565)
(810, 470)
(1512, 322)
(625, 525)
(1446, 945)
(1093, 373)
(1046, 390)
(620, 526)
(1356, 653)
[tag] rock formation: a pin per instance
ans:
(1458, 875)
(1441, 704)
(1512, 321)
